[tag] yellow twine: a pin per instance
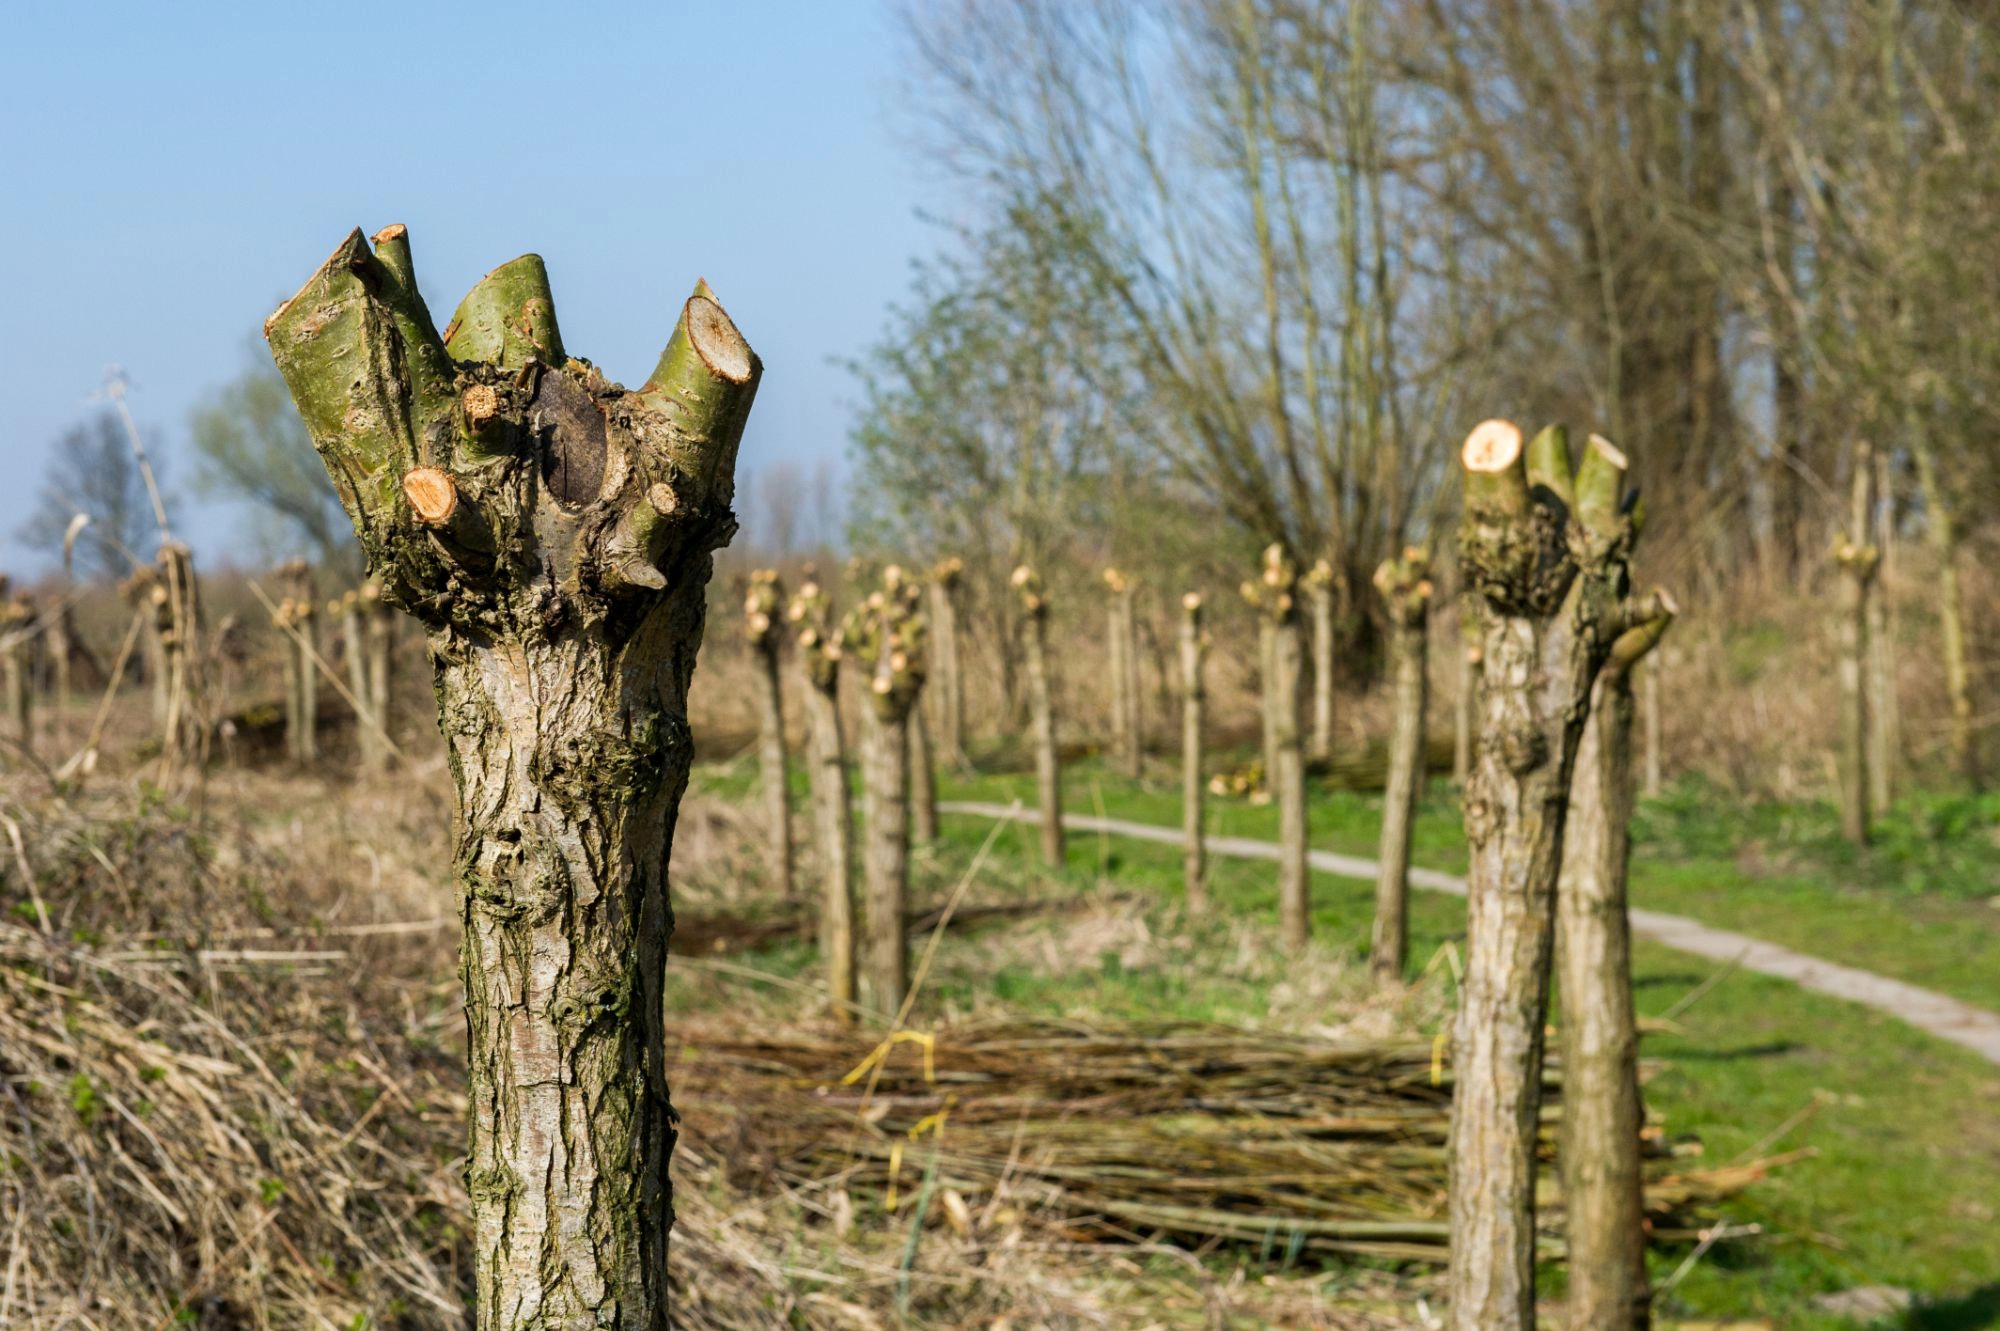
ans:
(881, 1051)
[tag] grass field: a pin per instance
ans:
(1904, 1190)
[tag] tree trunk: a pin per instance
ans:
(1193, 791)
(1545, 546)
(1857, 559)
(1884, 739)
(1469, 658)
(887, 639)
(820, 651)
(553, 531)
(1134, 688)
(1041, 712)
(1122, 632)
(760, 626)
(1941, 526)
(1267, 675)
(949, 683)
(923, 781)
(885, 972)
(1602, 1110)
(1406, 593)
(1319, 585)
(1275, 595)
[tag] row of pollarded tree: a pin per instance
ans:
(1545, 547)
(191, 667)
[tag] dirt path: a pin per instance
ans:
(1938, 1014)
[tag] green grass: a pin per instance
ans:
(1905, 1189)
(1919, 905)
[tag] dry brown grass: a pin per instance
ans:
(231, 1096)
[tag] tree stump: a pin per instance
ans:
(553, 533)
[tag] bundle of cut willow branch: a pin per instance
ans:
(1189, 1133)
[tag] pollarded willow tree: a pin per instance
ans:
(885, 635)
(1122, 639)
(1194, 694)
(947, 683)
(1546, 545)
(762, 600)
(1041, 710)
(1405, 586)
(553, 532)
(820, 653)
(1274, 594)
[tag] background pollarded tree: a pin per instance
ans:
(947, 669)
(1034, 605)
(1194, 789)
(1405, 587)
(762, 601)
(552, 530)
(821, 649)
(1274, 594)
(885, 636)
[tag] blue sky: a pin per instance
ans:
(169, 172)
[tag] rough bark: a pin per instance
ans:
(1194, 859)
(1041, 711)
(1942, 531)
(1406, 595)
(1469, 657)
(1275, 596)
(1602, 1111)
(820, 652)
(1857, 559)
(761, 604)
(553, 532)
(947, 682)
(1545, 546)
(886, 637)
(1319, 591)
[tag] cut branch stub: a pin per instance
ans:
(761, 600)
(567, 494)
(885, 634)
(1405, 585)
